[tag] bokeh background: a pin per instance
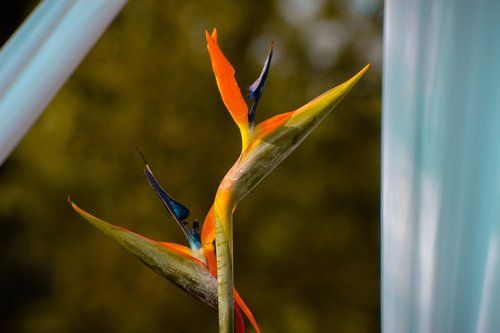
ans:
(306, 239)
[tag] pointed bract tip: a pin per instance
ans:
(353, 80)
(87, 216)
(72, 204)
(142, 156)
(367, 67)
(77, 209)
(361, 72)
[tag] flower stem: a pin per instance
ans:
(224, 249)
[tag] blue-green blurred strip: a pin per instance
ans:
(40, 57)
(441, 166)
(22, 46)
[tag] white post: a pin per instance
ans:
(40, 57)
(441, 166)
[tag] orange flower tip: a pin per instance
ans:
(238, 300)
(211, 37)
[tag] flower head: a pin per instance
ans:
(195, 268)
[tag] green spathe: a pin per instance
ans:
(189, 275)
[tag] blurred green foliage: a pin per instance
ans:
(306, 239)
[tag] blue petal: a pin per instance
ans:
(257, 87)
(178, 211)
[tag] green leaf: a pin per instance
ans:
(188, 274)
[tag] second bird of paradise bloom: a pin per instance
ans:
(264, 146)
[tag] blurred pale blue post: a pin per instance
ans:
(441, 166)
(40, 57)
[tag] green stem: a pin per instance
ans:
(225, 278)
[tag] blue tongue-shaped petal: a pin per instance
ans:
(257, 87)
(178, 211)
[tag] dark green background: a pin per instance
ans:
(306, 239)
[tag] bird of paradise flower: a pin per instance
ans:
(203, 270)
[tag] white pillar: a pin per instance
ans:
(40, 57)
(441, 166)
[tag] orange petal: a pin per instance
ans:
(228, 87)
(246, 310)
(224, 73)
(239, 324)
(208, 228)
(181, 249)
(271, 124)
(214, 35)
(209, 252)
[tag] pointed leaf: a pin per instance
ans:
(184, 271)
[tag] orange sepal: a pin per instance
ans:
(245, 310)
(181, 249)
(226, 82)
(208, 228)
(209, 252)
(271, 124)
(239, 324)
(214, 35)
